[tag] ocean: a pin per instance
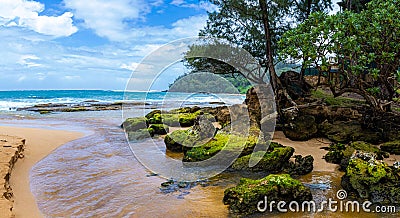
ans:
(99, 175)
(12, 100)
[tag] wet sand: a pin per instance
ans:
(311, 147)
(39, 143)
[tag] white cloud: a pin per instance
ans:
(189, 26)
(202, 5)
(116, 20)
(23, 13)
(29, 61)
(108, 18)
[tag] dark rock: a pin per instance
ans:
(392, 147)
(346, 131)
(175, 140)
(295, 86)
(301, 165)
(341, 154)
(140, 134)
(301, 128)
(245, 197)
(159, 129)
(204, 127)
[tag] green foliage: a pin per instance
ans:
(225, 83)
(241, 23)
(365, 43)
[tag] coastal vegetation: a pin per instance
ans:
(352, 100)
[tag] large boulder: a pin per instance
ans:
(300, 166)
(231, 143)
(340, 153)
(176, 140)
(273, 161)
(346, 131)
(140, 134)
(392, 147)
(301, 128)
(295, 85)
(372, 179)
(183, 117)
(134, 124)
(245, 197)
(159, 129)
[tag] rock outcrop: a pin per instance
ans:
(12, 148)
(371, 179)
(247, 195)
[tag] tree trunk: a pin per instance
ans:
(280, 91)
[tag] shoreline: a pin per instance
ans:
(39, 144)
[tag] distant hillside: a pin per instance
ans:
(211, 83)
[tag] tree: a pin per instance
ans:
(354, 5)
(256, 26)
(366, 45)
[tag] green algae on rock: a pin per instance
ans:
(245, 197)
(392, 147)
(272, 162)
(300, 166)
(346, 131)
(372, 179)
(231, 143)
(175, 140)
(159, 129)
(134, 124)
(341, 154)
(140, 134)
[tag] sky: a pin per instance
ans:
(88, 44)
(91, 44)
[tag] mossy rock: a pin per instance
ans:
(301, 129)
(74, 109)
(372, 179)
(272, 162)
(392, 147)
(347, 131)
(341, 154)
(134, 124)
(44, 112)
(244, 198)
(159, 129)
(155, 119)
(300, 166)
(175, 140)
(177, 117)
(232, 143)
(140, 134)
(335, 153)
(152, 113)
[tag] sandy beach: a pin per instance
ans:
(311, 147)
(39, 143)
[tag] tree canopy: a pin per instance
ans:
(366, 45)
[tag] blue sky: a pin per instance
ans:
(90, 44)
